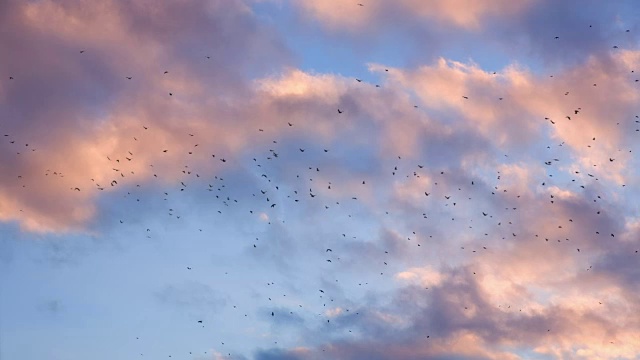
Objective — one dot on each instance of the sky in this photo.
(319, 179)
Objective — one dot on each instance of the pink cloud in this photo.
(459, 13)
(452, 164)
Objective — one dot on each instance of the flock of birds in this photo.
(274, 191)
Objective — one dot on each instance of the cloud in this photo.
(546, 33)
(441, 87)
(351, 16)
(510, 108)
(531, 279)
(425, 276)
(468, 214)
(74, 110)
(460, 321)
